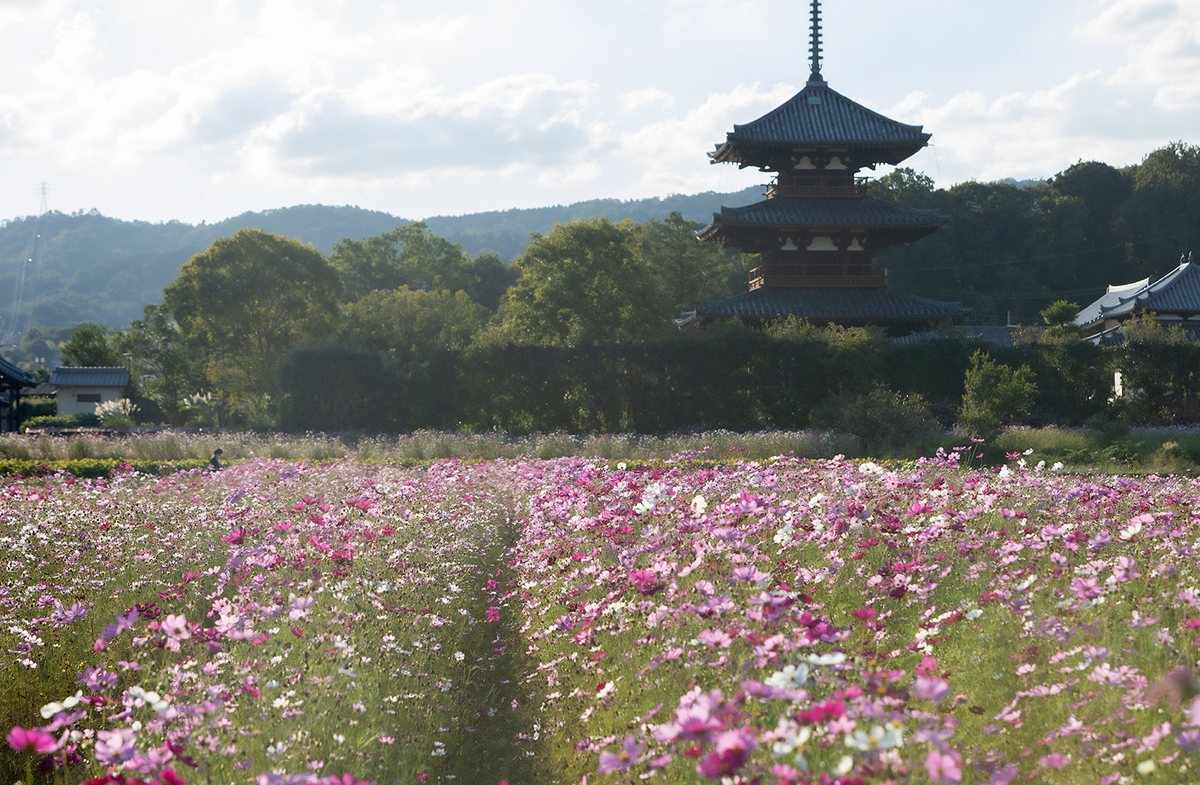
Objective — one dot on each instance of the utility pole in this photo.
(44, 191)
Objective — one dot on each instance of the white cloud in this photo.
(650, 97)
(1126, 19)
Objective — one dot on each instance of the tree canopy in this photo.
(246, 301)
(584, 282)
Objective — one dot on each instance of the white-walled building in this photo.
(80, 389)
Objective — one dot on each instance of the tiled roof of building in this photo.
(844, 304)
(89, 377)
(1177, 292)
(825, 212)
(12, 376)
(820, 116)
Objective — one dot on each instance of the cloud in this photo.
(650, 97)
(1040, 133)
(668, 155)
(1127, 19)
(483, 129)
(236, 111)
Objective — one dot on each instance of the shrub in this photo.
(881, 417)
(994, 395)
(83, 420)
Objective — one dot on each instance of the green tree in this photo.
(905, 187)
(994, 395)
(1060, 316)
(406, 324)
(685, 271)
(490, 278)
(585, 282)
(163, 367)
(409, 255)
(91, 345)
(244, 303)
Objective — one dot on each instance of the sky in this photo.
(196, 110)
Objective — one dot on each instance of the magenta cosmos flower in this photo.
(31, 740)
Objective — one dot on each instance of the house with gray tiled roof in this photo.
(818, 228)
(80, 389)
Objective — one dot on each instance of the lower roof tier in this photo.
(840, 305)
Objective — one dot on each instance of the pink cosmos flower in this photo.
(717, 639)
(115, 746)
(944, 766)
(930, 689)
(493, 613)
(631, 753)
(176, 627)
(732, 750)
(31, 740)
(646, 582)
(1055, 760)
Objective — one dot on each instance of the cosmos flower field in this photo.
(579, 621)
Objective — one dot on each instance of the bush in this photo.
(994, 395)
(82, 420)
(881, 417)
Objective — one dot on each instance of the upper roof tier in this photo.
(820, 118)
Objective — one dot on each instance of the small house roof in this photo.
(1177, 292)
(71, 376)
(819, 116)
(865, 305)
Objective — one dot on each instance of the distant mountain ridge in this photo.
(61, 269)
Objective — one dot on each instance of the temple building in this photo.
(818, 229)
(1174, 299)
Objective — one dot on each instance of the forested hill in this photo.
(89, 267)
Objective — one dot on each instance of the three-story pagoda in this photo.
(817, 229)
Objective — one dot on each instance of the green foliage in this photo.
(882, 418)
(244, 303)
(91, 345)
(585, 282)
(336, 389)
(1060, 313)
(684, 271)
(38, 406)
(81, 420)
(409, 255)
(1157, 364)
(94, 467)
(405, 324)
(994, 395)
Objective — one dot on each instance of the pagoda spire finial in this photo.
(815, 77)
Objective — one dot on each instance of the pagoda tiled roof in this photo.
(825, 212)
(841, 304)
(822, 117)
(1177, 292)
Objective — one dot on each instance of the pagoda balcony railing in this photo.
(858, 190)
(759, 280)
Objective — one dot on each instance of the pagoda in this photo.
(817, 229)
